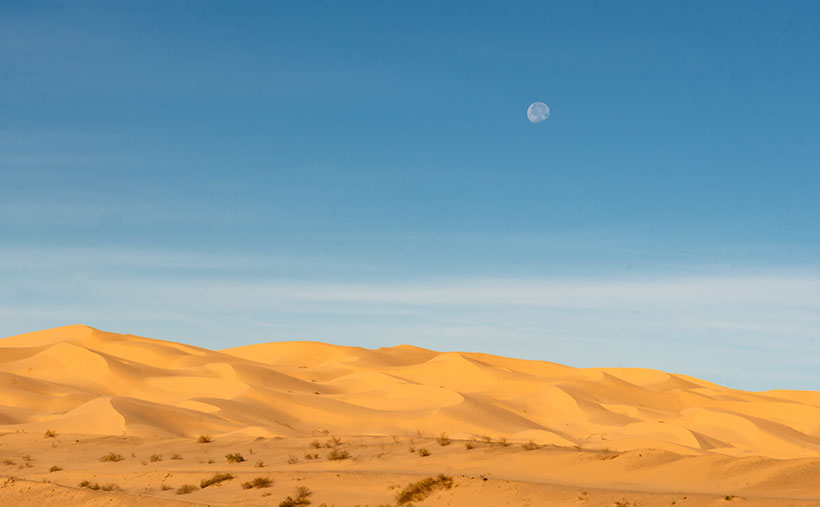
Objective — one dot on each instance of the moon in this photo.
(538, 112)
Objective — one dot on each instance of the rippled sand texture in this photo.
(592, 436)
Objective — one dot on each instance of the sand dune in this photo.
(605, 428)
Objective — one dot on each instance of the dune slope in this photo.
(81, 380)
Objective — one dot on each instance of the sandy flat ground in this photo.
(502, 431)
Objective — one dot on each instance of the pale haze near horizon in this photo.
(366, 175)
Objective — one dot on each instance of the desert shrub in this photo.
(234, 458)
(9, 461)
(316, 444)
(261, 464)
(50, 434)
(155, 457)
(530, 446)
(301, 499)
(336, 454)
(96, 486)
(259, 482)
(502, 442)
(418, 491)
(165, 487)
(411, 448)
(333, 442)
(185, 489)
(204, 439)
(176, 456)
(292, 459)
(112, 456)
(309, 456)
(470, 444)
(443, 439)
(55, 468)
(216, 479)
(423, 452)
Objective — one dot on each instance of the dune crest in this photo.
(77, 379)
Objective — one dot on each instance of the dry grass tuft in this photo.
(302, 498)
(185, 489)
(418, 491)
(216, 479)
(259, 482)
(234, 458)
(336, 455)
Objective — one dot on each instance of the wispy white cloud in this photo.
(768, 323)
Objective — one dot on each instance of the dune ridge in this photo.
(82, 380)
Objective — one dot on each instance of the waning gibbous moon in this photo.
(538, 112)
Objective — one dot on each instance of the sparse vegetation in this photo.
(55, 468)
(530, 446)
(411, 448)
(234, 458)
(309, 456)
(165, 487)
(50, 434)
(155, 457)
(443, 439)
(176, 456)
(216, 479)
(301, 499)
(502, 442)
(111, 456)
(261, 464)
(292, 459)
(204, 439)
(333, 442)
(9, 461)
(336, 454)
(316, 444)
(259, 482)
(423, 452)
(418, 491)
(185, 489)
(469, 444)
(96, 486)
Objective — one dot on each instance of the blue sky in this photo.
(224, 173)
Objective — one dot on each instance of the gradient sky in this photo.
(363, 173)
